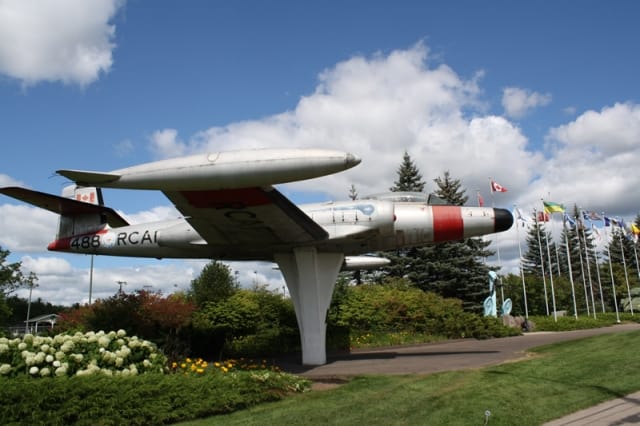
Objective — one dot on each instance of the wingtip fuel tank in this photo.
(222, 170)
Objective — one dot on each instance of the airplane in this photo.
(232, 211)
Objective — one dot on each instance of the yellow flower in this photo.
(224, 369)
(183, 365)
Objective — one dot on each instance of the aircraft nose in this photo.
(503, 220)
(352, 160)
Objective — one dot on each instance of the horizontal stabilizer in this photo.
(88, 178)
(62, 205)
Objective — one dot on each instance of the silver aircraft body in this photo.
(231, 211)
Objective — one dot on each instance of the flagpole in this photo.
(626, 275)
(524, 286)
(501, 189)
(553, 292)
(573, 290)
(613, 283)
(544, 279)
(597, 261)
(584, 280)
(586, 255)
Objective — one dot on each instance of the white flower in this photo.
(45, 372)
(121, 333)
(33, 371)
(104, 341)
(119, 362)
(22, 346)
(67, 346)
(60, 356)
(61, 371)
(5, 369)
(56, 363)
(44, 348)
(4, 347)
(49, 359)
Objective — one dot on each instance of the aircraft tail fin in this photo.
(81, 209)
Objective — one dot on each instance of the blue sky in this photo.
(543, 96)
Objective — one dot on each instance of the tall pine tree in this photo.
(409, 177)
(451, 269)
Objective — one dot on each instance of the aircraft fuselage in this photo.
(353, 227)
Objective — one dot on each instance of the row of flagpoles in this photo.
(549, 208)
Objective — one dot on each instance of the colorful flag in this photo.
(496, 187)
(569, 219)
(594, 216)
(480, 200)
(551, 207)
(635, 229)
(607, 221)
(595, 231)
(543, 217)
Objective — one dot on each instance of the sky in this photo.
(541, 96)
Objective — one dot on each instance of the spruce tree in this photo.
(535, 258)
(451, 269)
(409, 177)
(457, 267)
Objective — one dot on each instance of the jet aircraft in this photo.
(232, 211)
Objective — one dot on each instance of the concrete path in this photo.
(469, 354)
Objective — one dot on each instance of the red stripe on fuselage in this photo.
(227, 198)
(64, 244)
(447, 223)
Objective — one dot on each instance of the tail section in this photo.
(81, 209)
(83, 221)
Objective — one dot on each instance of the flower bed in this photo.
(112, 353)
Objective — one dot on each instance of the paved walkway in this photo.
(469, 354)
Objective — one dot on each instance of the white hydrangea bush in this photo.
(79, 354)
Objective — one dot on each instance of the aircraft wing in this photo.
(63, 205)
(255, 216)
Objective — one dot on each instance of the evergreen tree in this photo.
(403, 260)
(409, 178)
(580, 255)
(534, 259)
(451, 269)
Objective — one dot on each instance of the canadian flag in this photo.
(496, 187)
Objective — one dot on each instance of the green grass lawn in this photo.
(561, 379)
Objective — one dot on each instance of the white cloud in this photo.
(9, 181)
(26, 229)
(593, 160)
(518, 102)
(154, 214)
(376, 108)
(57, 40)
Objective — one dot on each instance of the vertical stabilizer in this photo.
(79, 223)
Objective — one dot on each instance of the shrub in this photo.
(138, 400)
(112, 353)
(398, 307)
